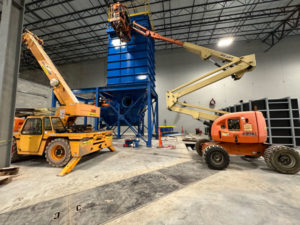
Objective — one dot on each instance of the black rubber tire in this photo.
(198, 146)
(268, 156)
(213, 153)
(64, 144)
(285, 160)
(14, 157)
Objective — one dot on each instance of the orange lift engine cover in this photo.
(251, 128)
(241, 133)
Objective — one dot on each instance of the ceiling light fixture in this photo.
(224, 42)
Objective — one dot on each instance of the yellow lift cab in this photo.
(58, 137)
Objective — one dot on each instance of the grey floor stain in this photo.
(103, 203)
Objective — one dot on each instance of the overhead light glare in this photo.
(224, 42)
(118, 43)
(142, 77)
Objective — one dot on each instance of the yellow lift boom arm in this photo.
(234, 66)
(70, 107)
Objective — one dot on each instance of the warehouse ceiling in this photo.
(74, 30)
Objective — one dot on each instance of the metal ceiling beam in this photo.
(247, 16)
(283, 29)
(74, 46)
(258, 14)
(43, 4)
(207, 37)
(175, 26)
(82, 56)
(94, 11)
(212, 3)
(274, 18)
(54, 49)
(191, 19)
(91, 12)
(66, 18)
(251, 8)
(218, 21)
(97, 38)
(36, 5)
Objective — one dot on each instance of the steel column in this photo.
(292, 121)
(96, 122)
(118, 123)
(85, 118)
(269, 122)
(149, 124)
(156, 115)
(10, 46)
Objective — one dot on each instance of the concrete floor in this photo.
(150, 186)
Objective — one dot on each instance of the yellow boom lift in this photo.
(58, 137)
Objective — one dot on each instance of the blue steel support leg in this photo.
(54, 100)
(85, 118)
(101, 123)
(149, 103)
(139, 129)
(143, 126)
(118, 123)
(96, 121)
(156, 115)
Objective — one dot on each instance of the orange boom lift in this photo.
(242, 133)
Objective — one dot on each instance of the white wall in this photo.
(32, 95)
(277, 75)
(77, 75)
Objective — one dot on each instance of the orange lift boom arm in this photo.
(148, 33)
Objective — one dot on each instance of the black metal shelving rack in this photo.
(282, 118)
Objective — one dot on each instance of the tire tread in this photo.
(210, 148)
(296, 154)
(268, 156)
(68, 152)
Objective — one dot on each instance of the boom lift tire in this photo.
(216, 157)
(285, 160)
(268, 156)
(58, 152)
(198, 146)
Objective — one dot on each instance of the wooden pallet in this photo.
(6, 174)
(5, 179)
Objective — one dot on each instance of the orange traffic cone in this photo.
(159, 139)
